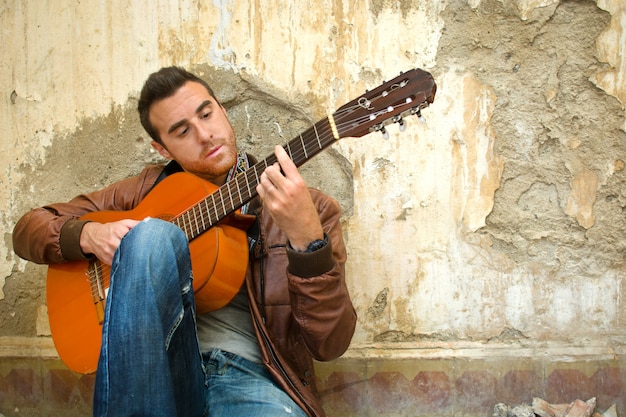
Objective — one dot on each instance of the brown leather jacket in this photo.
(300, 304)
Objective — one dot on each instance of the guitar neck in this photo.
(405, 95)
(240, 190)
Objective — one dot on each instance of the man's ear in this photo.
(161, 150)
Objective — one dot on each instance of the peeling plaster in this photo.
(490, 221)
(580, 201)
(611, 46)
(221, 54)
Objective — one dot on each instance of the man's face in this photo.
(195, 132)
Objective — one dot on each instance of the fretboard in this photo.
(240, 190)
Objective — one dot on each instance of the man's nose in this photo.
(205, 133)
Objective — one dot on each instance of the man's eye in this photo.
(206, 115)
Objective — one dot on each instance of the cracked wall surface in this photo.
(499, 218)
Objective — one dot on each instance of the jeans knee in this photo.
(157, 234)
(155, 250)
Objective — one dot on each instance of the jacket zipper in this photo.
(262, 276)
(263, 318)
(282, 370)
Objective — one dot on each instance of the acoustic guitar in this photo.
(209, 217)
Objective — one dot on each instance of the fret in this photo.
(248, 185)
(215, 207)
(199, 222)
(221, 200)
(319, 144)
(185, 219)
(255, 172)
(181, 223)
(303, 147)
(288, 148)
(195, 219)
(190, 222)
(230, 195)
(239, 192)
(202, 215)
(208, 213)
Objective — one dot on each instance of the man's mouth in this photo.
(213, 151)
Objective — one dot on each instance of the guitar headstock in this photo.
(403, 96)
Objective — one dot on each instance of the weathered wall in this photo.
(497, 223)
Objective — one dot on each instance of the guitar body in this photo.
(74, 320)
(219, 259)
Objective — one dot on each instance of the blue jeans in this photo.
(150, 361)
(238, 387)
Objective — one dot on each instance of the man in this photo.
(255, 355)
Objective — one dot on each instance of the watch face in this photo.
(317, 244)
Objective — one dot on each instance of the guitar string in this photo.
(324, 137)
(246, 183)
(99, 272)
(213, 216)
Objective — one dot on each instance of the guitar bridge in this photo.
(98, 290)
(100, 311)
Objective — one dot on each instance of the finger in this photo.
(131, 223)
(265, 185)
(273, 177)
(260, 190)
(285, 161)
(126, 225)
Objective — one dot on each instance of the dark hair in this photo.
(160, 85)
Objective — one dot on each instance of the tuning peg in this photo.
(418, 112)
(400, 121)
(384, 132)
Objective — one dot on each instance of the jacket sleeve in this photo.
(320, 301)
(51, 234)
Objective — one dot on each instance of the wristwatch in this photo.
(317, 244)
